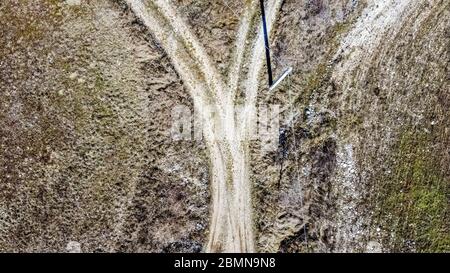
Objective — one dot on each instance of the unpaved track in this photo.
(231, 226)
(180, 28)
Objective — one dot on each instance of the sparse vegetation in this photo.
(87, 160)
(413, 202)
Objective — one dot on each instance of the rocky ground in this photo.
(88, 162)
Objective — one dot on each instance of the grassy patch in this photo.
(413, 206)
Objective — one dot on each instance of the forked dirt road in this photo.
(231, 226)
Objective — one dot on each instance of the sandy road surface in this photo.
(231, 226)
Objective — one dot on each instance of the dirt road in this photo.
(231, 227)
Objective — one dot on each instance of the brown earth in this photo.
(88, 163)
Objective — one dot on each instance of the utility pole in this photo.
(272, 85)
(266, 42)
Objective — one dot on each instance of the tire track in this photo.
(231, 226)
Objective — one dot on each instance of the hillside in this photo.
(148, 126)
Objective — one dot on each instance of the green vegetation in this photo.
(413, 206)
